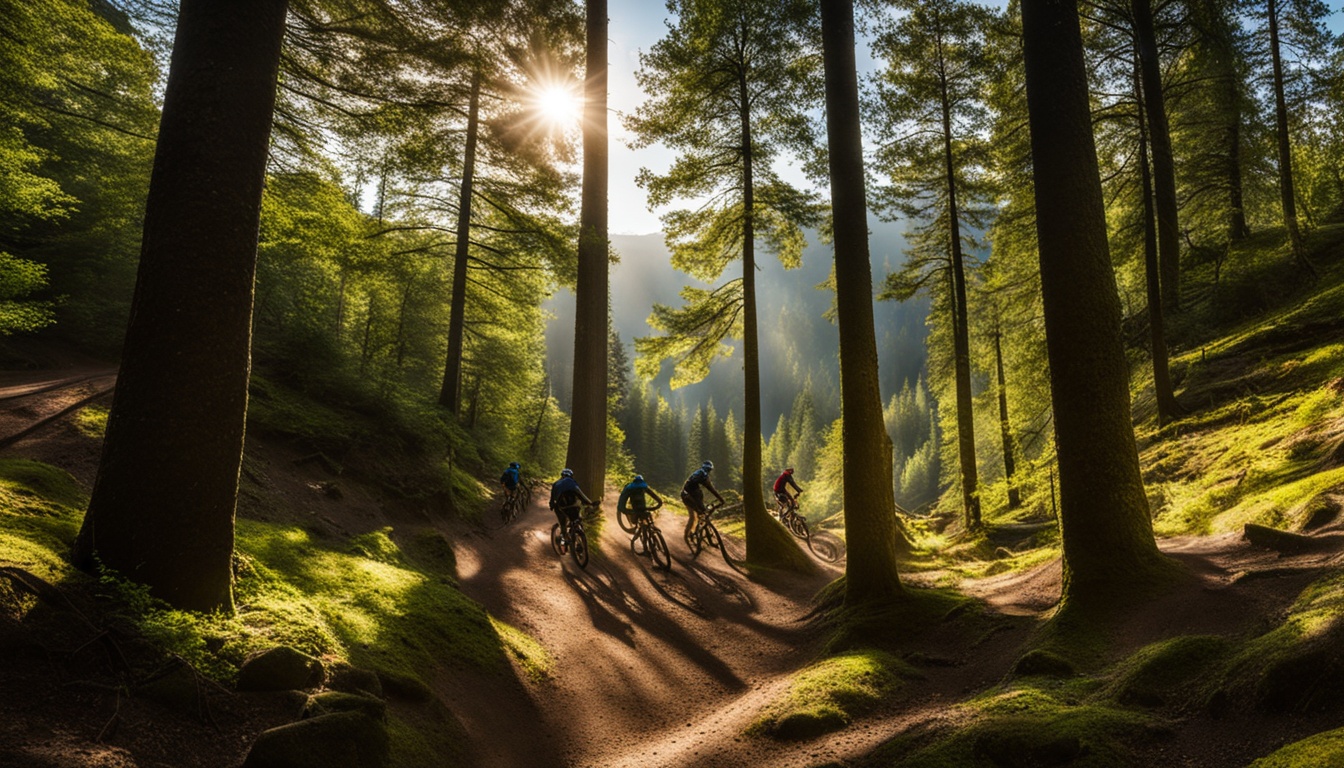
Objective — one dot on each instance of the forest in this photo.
(1036, 306)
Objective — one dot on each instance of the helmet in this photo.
(789, 471)
(566, 472)
(708, 465)
(639, 478)
(514, 465)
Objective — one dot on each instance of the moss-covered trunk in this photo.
(162, 507)
(871, 528)
(1109, 551)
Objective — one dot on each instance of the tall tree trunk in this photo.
(1287, 194)
(1167, 407)
(340, 307)
(1109, 551)
(1005, 427)
(541, 414)
(767, 542)
(368, 333)
(961, 338)
(1164, 167)
(871, 528)
(162, 507)
(450, 392)
(1237, 229)
(401, 326)
(588, 426)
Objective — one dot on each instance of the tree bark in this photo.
(1005, 427)
(768, 543)
(1109, 551)
(961, 339)
(450, 392)
(163, 503)
(1167, 407)
(871, 528)
(587, 454)
(1164, 167)
(1287, 193)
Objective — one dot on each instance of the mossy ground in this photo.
(383, 600)
(829, 694)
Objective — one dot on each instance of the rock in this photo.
(1309, 677)
(798, 726)
(345, 739)
(1044, 663)
(404, 686)
(348, 679)
(280, 669)
(329, 702)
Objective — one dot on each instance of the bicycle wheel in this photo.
(626, 522)
(578, 545)
(696, 540)
(657, 547)
(799, 526)
(557, 543)
(715, 539)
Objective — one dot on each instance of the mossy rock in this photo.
(1323, 749)
(348, 679)
(280, 669)
(1306, 678)
(330, 702)
(826, 696)
(1158, 673)
(347, 739)
(405, 686)
(1043, 663)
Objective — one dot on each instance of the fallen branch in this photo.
(1275, 539)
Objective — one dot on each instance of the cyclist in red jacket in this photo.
(782, 484)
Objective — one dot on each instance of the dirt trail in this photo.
(650, 668)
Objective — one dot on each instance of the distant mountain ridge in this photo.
(797, 342)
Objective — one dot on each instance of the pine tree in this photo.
(728, 86)
(181, 401)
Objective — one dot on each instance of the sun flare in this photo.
(557, 105)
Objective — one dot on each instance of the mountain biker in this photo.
(693, 495)
(781, 486)
(634, 499)
(567, 498)
(511, 477)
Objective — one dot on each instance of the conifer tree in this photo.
(728, 85)
(1109, 551)
(932, 118)
(181, 401)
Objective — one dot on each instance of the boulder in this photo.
(1045, 663)
(280, 669)
(348, 679)
(329, 702)
(346, 739)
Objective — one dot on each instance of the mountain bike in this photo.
(515, 501)
(572, 540)
(648, 535)
(705, 534)
(787, 512)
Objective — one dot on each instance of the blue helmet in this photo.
(639, 478)
(566, 472)
(707, 466)
(514, 465)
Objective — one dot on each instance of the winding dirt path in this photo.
(649, 667)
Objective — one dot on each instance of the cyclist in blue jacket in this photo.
(567, 498)
(634, 500)
(693, 495)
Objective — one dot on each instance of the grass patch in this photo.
(1166, 672)
(829, 694)
(1026, 725)
(40, 511)
(1320, 750)
(91, 420)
